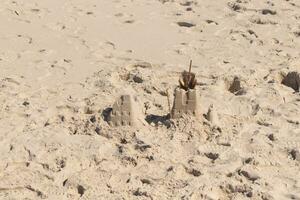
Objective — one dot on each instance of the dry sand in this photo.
(64, 63)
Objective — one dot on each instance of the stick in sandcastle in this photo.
(169, 103)
(187, 80)
(190, 69)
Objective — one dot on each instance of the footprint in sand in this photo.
(268, 12)
(185, 24)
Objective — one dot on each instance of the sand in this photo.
(64, 63)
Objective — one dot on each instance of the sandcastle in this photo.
(185, 103)
(123, 112)
(186, 100)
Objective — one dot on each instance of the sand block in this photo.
(123, 112)
(212, 115)
(185, 102)
(292, 80)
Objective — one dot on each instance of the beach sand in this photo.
(64, 63)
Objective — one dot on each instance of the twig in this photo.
(168, 96)
(190, 70)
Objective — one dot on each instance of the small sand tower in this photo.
(185, 102)
(292, 80)
(123, 112)
(186, 99)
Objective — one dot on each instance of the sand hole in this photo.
(294, 154)
(297, 33)
(235, 6)
(64, 182)
(146, 181)
(268, 12)
(80, 190)
(194, 172)
(212, 156)
(292, 80)
(185, 24)
(235, 86)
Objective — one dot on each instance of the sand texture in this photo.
(63, 65)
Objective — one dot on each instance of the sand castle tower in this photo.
(212, 115)
(186, 99)
(292, 80)
(124, 112)
(185, 102)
